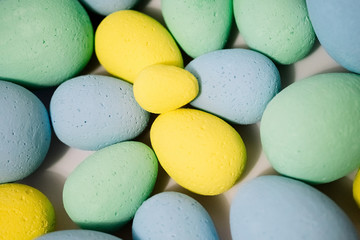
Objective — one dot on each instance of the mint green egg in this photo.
(105, 190)
(310, 130)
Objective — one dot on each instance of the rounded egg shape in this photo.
(105, 190)
(25, 132)
(77, 234)
(235, 84)
(200, 151)
(106, 7)
(174, 215)
(91, 112)
(336, 24)
(45, 42)
(275, 207)
(310, 130)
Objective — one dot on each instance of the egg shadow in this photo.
(287, 74)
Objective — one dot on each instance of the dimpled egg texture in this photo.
(105, 190)
(25, 132)
(275, 207)
(201, 152)
(43, 42)
(173, 215)
(280, 29)
(236, 84)
(336, 24)
(78, 234)
(25, 212)
(92, 111)
(310, 130)
(128, 41)
(161, 88)
(210, 23)
(105, 7)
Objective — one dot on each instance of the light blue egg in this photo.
(172, 215)
(275, 207)
(91, 112)
(235, 84)
(25, 132)
(336, 24)
(77, 234)
(106, 7)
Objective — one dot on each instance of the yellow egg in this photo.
(356, 189)
(128, 41)
(161, 88)
(200, 151)
(25, 213)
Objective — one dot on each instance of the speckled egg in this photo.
(235, 84)
(77, 234)
(105, 190)
(172, 215)
(106, 7)
(25, 132)
(91, 112)
(275, 207)
(310, 130)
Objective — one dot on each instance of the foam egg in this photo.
(45, 42)
(310, 130)
(25, 212)
(201, 152)
(275, 207)
(210, 23)
(172, 215)
(356, 188)
(161, 88)
(92, 111)
(236, 84)
(128, 41)
(25, 132)
(78, 234)
(280, 29)
(108, 6)
(336, 25)
(105, 190)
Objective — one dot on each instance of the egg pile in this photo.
(163, 119)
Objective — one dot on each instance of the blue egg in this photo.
(105, 7)
(172, 215)
(275, 207)
(25, 132)
(77, 234)
(91, 112)
(336, 25)
(235, 84)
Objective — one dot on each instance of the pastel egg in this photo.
(356, 188)
(336, 25)
(236, 84)
(78, 234)
(45, 42)
(161, 88)
(172, 215)
(25, 132)
(210, 23)
(92, 111)
(105, 190)
(275, 207)
(280, 29)
(128, 41)
(25, 212)
(201, 152)
(310, 130)
(108, 6)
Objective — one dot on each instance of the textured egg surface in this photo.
(210, 23)
(25, 212)
(45, 42)
(105, 190)
(201, 152)
(280, 29)
(128, 41)
(172, 215)
(336, 24)
(25, 132)
(235, 84)
(275, 207)
(106, 7)
(310, 130)
(91, 112)
(78, 234)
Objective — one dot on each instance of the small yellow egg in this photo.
(356, 188)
